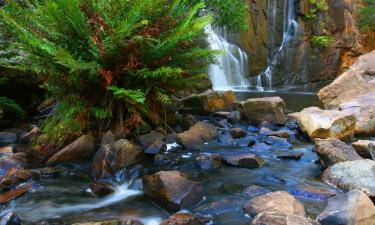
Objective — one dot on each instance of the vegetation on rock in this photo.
(367, 17)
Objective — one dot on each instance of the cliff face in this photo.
(304, 64)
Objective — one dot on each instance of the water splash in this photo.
(232, 65)
(291, 29)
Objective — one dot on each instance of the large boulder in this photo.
(352, 208)
(275, 201)
(363, 108)
(356, 81)
(365, 148)
(319, 123)
(81, 149)
(182, 219)
(331, 151)
(172, 190)
(15, 176)
(281, 218)
(209, 101)
(248, 160)
(350, 175)
(197, 135)
(258, 110)
(112, 157)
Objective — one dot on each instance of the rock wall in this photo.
(308, 67)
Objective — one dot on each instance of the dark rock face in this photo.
(365, 148)
(281, 218)
(113, 157)
(237, 133)
(182, 219)
(101, 189)
(353, 207)
(172, 190)
(81, 149)
(275, 201)
(14, 176)
(208, 162)
(250, 161)
(197, 135)
(331, 151)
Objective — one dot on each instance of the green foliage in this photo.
(317, 6)
(111, 59)
(321, 40)
(9, 109)
(367, 15)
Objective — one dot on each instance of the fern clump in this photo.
(107, 61)
(367, 15)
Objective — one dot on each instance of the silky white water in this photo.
(232, 65)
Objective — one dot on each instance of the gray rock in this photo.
(281, 218)
(365, 148)
(197, 135)
(250, 161)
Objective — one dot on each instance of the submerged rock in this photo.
(312, 192)
(197, 135)
(275, 201)
(125, 221)
(208, 161)
(281, 218)
(172, 190)
(14, 177)
(237, 133)
(101, 189)
(319, 123)
(267, 132)
(254, 191)
(332, 150)
(13, 194)
(182, 219)
(257, 110)
(352, 208)
(250, 161)
(365, 148)
(350, 175)
(81, 149)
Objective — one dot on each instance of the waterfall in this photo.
(291, 29)
(232, 67)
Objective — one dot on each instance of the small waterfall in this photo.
(232, 65)
(291, 29)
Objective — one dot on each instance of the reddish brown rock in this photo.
(249, 160)
(281, 218)
(237, 133)
(182, 219)
(15, 176)
(197, 135)
(13, 194)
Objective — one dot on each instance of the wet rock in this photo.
(125, 221)
(167, 159)
(81, 149)
(111, 158)
(156, 147)
(254, 191)
(281, 218)
(356, 81)
(197, 135)
(107, 138)
(172, 190)
(332, 150)
(7, 138)
(13, 194)
(147, 139)
(10, 219)
(363, 108)
(217, 208)
(222, 123)
(101, 189)
(365, 148)
(311, 192)
(208, 161)
(182, 219)
(267, 132)
(290, 155)
(274, 179)
(30, 136)
(209, 101)
(279, 143)
(187, 121)
(237, 133)
(15, 176)
(250, 161)
(275, 201)
(234, 117)
(50, 172)
(319, 123)
(259, 147)
(350, 175)
(257, 110)
(6, 163)
(351, 208)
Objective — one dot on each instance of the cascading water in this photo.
(232, 65)
(291, 30)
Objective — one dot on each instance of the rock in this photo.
(182, 219)
(7, 138)
(217, 208)
(311, 192)
(50, 172)
(6, 150)
(31, 136)
(351, 208)
(356, 81)
(257, 110)
(210, 101)
(167, 159)
(6, 163)
(365, 148)
(101, 189)
(319, 123)
(111, 158)
(278, 143)
(275, 201)
(332, 150)
(107, 138)
(363, 108)
(254, 191)
(81, 149)
(234, 117)
(187, 121)
(281, 218)
(350, 175)
(267, 132)
(10, 219)
(125, 221)
(197, 135)
(148, 139)
(208, 161)
(172, 190)
(15, 176)
(250, 161)
(237, 133)
(156, 147)
(13, 194)
(290, 155)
